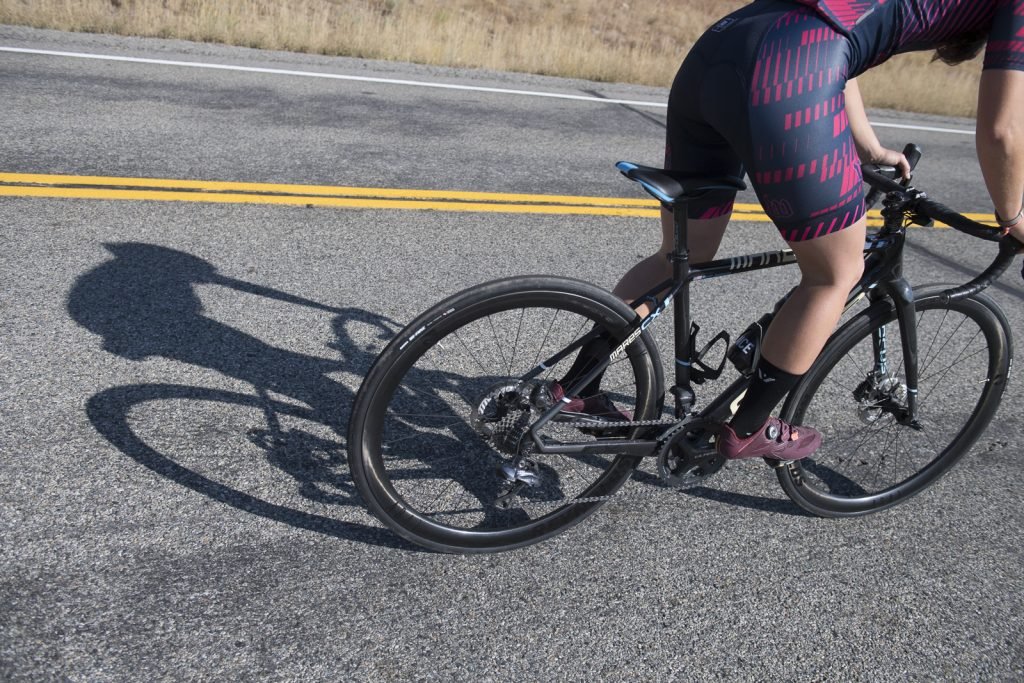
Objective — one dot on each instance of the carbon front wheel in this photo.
(870, 459)
(438, 443)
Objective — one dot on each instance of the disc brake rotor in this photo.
(494, 408)
(879, 398)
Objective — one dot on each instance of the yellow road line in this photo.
(339, 202)
(226, 192)
(314, 190)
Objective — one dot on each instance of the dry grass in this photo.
(603, 40)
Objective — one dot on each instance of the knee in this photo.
(840, 274)
(851, 272)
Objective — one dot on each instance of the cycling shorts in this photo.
(762, 92)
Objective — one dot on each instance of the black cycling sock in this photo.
(768, 386)
(589, 356)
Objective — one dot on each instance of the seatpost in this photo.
(680, 257)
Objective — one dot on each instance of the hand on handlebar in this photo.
(1018, 232)
(890, 157)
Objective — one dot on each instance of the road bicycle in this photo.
(458, 443)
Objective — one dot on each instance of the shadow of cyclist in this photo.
(143, 304)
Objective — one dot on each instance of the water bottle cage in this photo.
(700, 372)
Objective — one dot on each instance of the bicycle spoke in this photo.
(544, 342)
(392, 442)
(515, 344)
(497, 341)
(946, 343)
(927, 353)
(949, 368)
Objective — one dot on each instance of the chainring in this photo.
(688, 455)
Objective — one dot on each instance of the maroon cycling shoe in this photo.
(598, 408)
(598, 405)
(776, 439)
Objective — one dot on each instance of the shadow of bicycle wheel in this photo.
(109, 411)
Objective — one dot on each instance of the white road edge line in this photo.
(339, 77)
(392, 81)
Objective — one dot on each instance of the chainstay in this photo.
(657, 490)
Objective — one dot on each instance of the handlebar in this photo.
(882, 181)
(1007, 251)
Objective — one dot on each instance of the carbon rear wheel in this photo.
(438, 444)
(870, 459)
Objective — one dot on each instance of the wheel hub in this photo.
(503, 417)
(877, 396)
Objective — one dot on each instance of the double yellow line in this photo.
(171, 190)
(221, 192)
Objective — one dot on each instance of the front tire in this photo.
(868, 461)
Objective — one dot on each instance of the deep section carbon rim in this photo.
(444, 426)
(868, 459)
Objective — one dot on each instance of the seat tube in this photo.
(680, 257)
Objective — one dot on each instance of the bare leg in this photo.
(704, 238)
(830, 266)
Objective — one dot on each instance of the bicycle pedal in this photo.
(777, 464)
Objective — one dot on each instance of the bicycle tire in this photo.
(438, 364)
(861, 441)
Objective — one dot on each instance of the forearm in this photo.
(869, 149)
(868, 146)
(1000, 139)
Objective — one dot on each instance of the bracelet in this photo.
(1012, 222)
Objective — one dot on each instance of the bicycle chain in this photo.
(610, 424)
(647, 493)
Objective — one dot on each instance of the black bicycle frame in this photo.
(883, 278)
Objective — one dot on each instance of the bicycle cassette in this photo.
(688, 455)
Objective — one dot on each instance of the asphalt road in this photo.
(153, 527)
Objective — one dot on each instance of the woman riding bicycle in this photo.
(771, 90)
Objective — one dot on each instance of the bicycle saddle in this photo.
(669, 187)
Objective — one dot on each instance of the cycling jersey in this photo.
(844, 15)
(762, 92)
(882, 28)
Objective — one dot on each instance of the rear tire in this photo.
(425, 448)
(868, 461)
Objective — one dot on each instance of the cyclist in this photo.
(771, 90)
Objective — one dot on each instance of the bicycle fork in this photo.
(901, 294)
